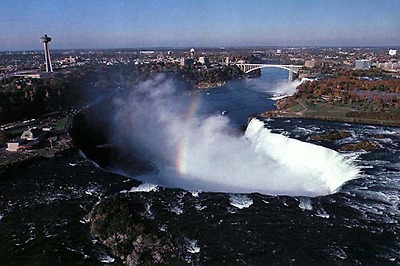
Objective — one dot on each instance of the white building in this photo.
(388, 65)
(204, 60)
(363, 64)
(31, 134)
(392, 52)
(13, 145)
(147, 52)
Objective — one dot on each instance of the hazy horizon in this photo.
(162, 24)
(156, 48)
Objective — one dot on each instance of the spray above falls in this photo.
(157, 122)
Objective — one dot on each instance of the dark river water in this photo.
(244, 97)
(44, 205)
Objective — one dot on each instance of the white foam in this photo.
(305, 203)
(353, 155)
(145, 187)
(199, 207)
(106, 259)
(322, 213)
(278, 97)
(240, 201)
(85, 220)
(195, 193)
(192, 246)
(178, 210)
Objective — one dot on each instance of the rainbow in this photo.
(183, 143)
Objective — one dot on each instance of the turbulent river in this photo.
(266, 196)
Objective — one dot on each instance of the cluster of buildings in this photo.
(33, 138)
(385, 59)
(27, 64)
(191, 60)
(392, 63)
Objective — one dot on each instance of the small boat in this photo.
(224, 112)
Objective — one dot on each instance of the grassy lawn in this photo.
(43, 151)
(10, 134)
(60, 124)
(296, 108)
(326, 110)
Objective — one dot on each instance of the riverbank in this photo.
(303, 110)
(209, 85)
(343, 99)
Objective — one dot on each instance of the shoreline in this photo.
(351, 120)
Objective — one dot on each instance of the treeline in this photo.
(25, 98)
(373, 99)
(378, 94)
(350, 83)
(196, 75)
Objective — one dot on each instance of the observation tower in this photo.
(45, 40)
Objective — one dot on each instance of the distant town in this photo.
(316, 60)
(40, 94)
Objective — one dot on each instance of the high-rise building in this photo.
(186, 61)
(45, 40)
(392, 52)
(363, 64)
(227, 60)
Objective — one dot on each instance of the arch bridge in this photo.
(247, 68)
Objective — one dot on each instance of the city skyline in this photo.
(125, 24)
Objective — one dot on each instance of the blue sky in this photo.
(181, 23)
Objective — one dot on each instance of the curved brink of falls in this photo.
(262, 162)
(327, 166)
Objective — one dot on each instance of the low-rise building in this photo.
(32, 134)
(14, 145)
(363, 64)
(388, 65)
(311, 63)
(30, 139)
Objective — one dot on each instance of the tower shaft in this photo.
(47, 60)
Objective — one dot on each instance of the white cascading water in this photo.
(259, 161)
(328, 165)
